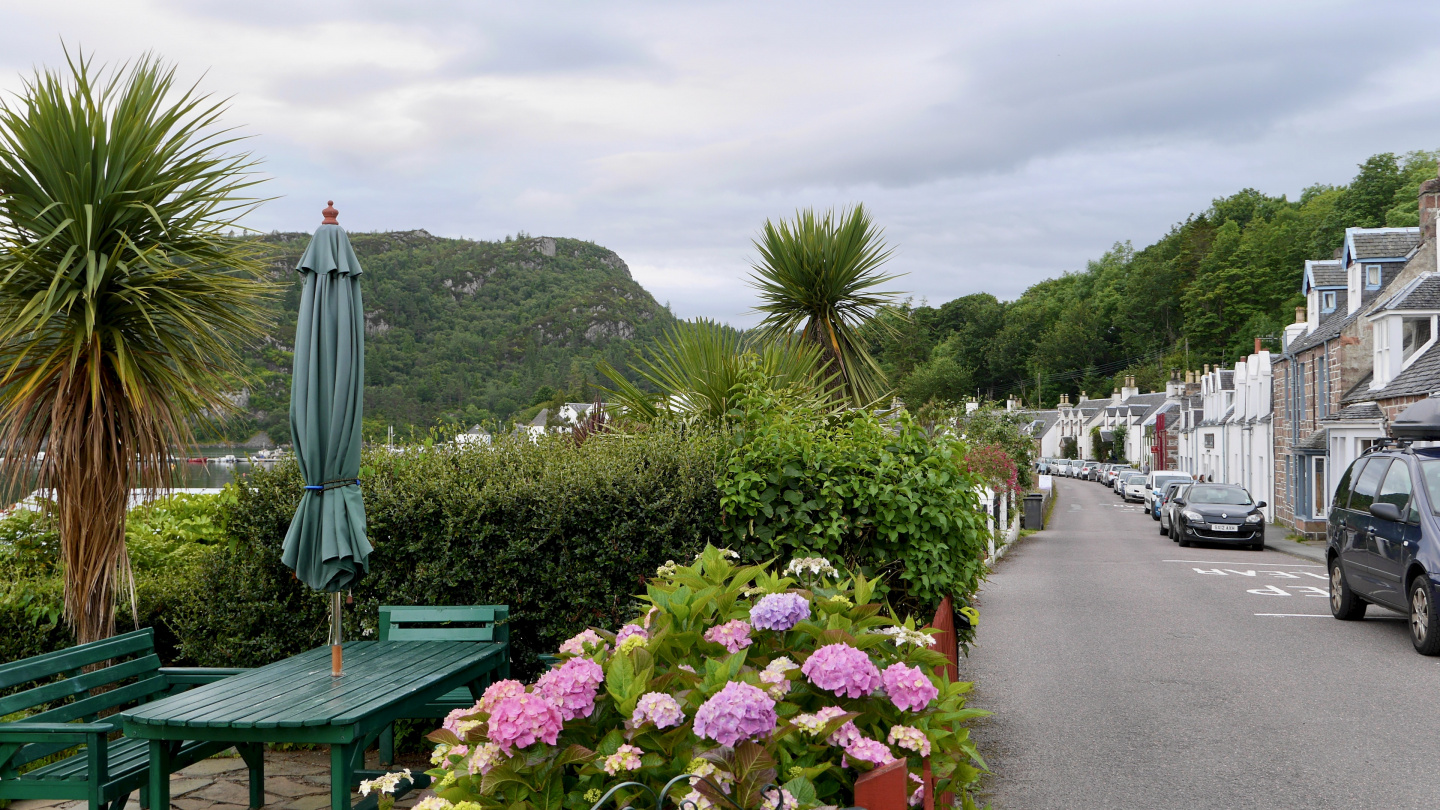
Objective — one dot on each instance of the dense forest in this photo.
(1200, 294)
(460, 331)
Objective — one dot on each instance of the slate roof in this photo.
(1329, 329)
(1325, 273)
(1227, 379)
(1360, 411)
(1315, 441)
(1042, 421)
(1422, 293)
(1421, 378)
(1381, 243)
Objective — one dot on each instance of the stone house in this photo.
(1351, 355)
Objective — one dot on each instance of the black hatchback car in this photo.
(1384, 539)
(1219, 513)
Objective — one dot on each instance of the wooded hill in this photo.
(462, 331)
(1200, 294)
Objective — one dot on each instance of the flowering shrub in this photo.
(741, 676)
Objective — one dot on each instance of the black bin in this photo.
(1035, 511)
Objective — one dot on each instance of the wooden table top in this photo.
(300, 691)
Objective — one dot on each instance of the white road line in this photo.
(1317, 615)
(1251, 564)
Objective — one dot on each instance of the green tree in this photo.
(123, 301)
(817, 277)
(1372, 193)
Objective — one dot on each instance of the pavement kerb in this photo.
(1294, 549)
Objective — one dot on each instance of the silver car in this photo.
(1133, 487)
(1167, 506)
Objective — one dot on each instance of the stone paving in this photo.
(294, 780)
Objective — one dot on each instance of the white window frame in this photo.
(1379, 275)
(1421, 349)
(1318, 482)
(1327, 301)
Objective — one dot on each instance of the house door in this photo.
(1320, 495)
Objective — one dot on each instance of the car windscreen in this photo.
(1221, 495)
(1134, 478)
(1161, 481)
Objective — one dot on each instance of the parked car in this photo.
(1118, 478)
(1220, 513)
(1132, 485)
(1156, 487)
(1383, 540)
(1173, 490)
(1088, 469)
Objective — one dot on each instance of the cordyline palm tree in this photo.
(696, 366)
(817, 276)
(122, 301)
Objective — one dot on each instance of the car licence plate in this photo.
(1224, 527)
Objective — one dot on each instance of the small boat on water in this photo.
(197, 460)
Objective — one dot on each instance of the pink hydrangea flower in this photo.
(909, 738)
(520, 720)
(737, 712)
(687, 668)
(497, 691)
(919, 794)
(846, 736)
(868, 750)
(575, 645)
(779, 611)
(628, 631)
(842, 669)
(625, 758)
(483, 759)
(781, 799)
(658, 708)
(733, 635)
(572, 687)
(453, 720)
(908, 687)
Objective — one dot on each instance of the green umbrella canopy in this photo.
(326, 544)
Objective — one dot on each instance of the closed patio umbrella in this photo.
(326, 544)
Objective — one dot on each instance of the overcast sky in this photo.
(998, 143)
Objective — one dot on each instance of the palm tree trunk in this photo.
(89, 460)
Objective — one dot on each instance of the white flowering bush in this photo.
(740, 676)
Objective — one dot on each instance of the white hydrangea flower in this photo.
(814, 565)
(385, 784)
(904, 635)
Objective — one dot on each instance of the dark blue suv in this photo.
(1384, 539)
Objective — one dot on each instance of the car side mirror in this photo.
(1385, 511)
(1260, 505)
(1178, 501)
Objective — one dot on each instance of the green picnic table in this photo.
(297, 700)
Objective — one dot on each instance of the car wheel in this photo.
(1258, 547)
(1344, 604)
(1163, 531)
(1424, 627)
(1184, 541)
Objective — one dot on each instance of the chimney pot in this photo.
(1299, 314)
(1257, 345)
(1207, 368)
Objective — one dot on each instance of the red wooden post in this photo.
(882, 788)
(947, 645)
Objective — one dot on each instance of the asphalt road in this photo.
(1126, 672)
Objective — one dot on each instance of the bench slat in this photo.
(105, 700)
(79, 684)
(441, 634)
(66, 661)
(441, 613)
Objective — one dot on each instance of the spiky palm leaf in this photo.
(697, 364)
(817, 277)
(122, 301)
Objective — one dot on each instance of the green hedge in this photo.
(564, 535)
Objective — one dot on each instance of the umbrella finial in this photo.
(330, 214)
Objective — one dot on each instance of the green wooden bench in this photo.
(74, 693)
(437, 623)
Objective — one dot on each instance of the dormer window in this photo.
(1417, 334)
(1372, 276)
(1327, 302)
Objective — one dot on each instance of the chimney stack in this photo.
(1429, 207)
(1299, 314)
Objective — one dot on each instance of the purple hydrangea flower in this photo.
(842, 669)
(732, 635)
(630, 630)
(519, 721)
(779, 611)
(572, 687)
(737, 712)
(658, 708)
(868, 750)
(575, 645)
(908, 687)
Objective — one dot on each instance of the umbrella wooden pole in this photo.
(335, 634)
